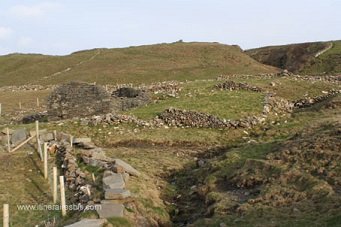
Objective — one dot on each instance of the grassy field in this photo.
(143, 64)
(173, 187)
(203, 97)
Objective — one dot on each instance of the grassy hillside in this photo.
(327, 62)
(301, 57)
(176, 61)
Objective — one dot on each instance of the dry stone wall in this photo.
(234, 86)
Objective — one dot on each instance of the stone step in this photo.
(109, 210)
(114, 181)
(117, 194)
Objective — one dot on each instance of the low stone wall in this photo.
(182, 118)
(232, 86)
(307, 102)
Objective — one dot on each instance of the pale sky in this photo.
(64, 26)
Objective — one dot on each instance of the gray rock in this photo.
(108, 173)
(47, 137)
(82, 140)
(18, 136)
(89, 223)
(109, 210)
(126, 177)
(128, 168)
(86, 145)
(116, 194)
(114, 181)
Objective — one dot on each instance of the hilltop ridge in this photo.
(159, 62)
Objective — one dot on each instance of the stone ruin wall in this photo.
(78, 99)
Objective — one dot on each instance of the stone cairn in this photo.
(234, 86)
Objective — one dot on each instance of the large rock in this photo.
(109, 210)
(89, 223)
(117, 194)
(18, 136)
(114, 181)
(46, 137)
(128, 168)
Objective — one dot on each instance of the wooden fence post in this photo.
(93, 177)
(62, 195)
(8, 140)
(55, 135)
(45, 161)
(38, 141)
(71, 141)
(55, 185)
(6, 216)
(20, 105)
(38, 104)
(0, 108)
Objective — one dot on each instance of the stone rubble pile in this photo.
(234, 86)
(273, 104)
(116, 119)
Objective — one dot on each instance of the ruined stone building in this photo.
(78, 99)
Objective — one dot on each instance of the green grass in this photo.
(143, 64)
(118, 222)
(201, 96)
(300, 58)
(329, 62)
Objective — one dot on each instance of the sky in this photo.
(64, 26)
